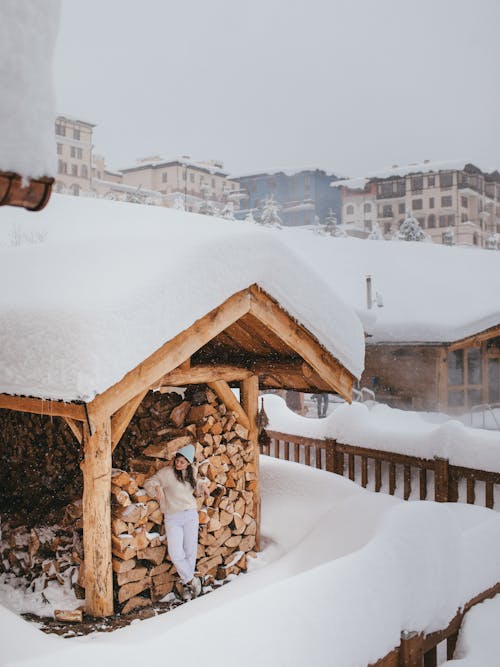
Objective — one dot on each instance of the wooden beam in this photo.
(175, 352)
(96, 468)
(121, 419)
(203, 374)
(475, 339)
(39, 406)
(338, 378)
(76, 428)
(224, 392)
(249, 392)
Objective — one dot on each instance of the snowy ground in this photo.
(342, 572)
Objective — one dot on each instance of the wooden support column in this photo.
(97, 515)
(249, 397)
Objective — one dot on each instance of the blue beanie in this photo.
(187, 452)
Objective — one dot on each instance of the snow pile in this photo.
(479, 641)
(388, 429)
(431, 293)
(28, 30)
(342, 573)
(114, 281)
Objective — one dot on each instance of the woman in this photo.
(176, 488)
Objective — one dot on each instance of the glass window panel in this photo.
(456, 399)
(456, 367)
(474, 366)
(494, 380)
(474, 397)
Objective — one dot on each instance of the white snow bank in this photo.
(28, 31)
(342, 573)
(112, 282)
(388, 429)
(479, 640)
(431, 293)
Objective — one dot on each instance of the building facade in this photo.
(305, 196)
(180, 182)
(453, 202)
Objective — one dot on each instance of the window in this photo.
(431, 221)
(75, 190)
(76, 134)
(446, 220)
(85, 171)
(431, 202)
(164, 177)
(417, 183)
(401, 208)
(59, 149)
(74, 170)
(213, 183)
(387, 227)
(62, 167)
(368, 225)
(465, 377)
(391, 188)
(349, 210)
(446, 179)
(464, 201)
(191, 178)
(431, 181)
(60, 130)
(387, 211)
(79, 153)
(456, 368)
(446, 201)
(73, 151)
(367, 208)
(421, 222)
(417, 204)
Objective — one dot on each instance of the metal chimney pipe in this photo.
(369, 298)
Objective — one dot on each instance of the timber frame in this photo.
(249, 341)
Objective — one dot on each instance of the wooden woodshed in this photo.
(251, 341)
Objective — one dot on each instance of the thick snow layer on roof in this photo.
(28, 30)
(342, 573)
(112, 282)
(288, 171)
(358, 183)
(431, 292)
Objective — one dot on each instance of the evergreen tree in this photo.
(249, 217)
(270, 214)
(179, 202)
(410, 230)
(492, 242)
(331, 223)
(449, 237)
(228, 211)
(376, 233)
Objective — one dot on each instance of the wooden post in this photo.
(410, 649)
(249, 394)
(97, 515)
(330, 455)
(440, 480)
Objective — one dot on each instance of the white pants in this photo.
(182, 541)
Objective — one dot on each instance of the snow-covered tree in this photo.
(331, 222)
(449, 237)
(228, 211)
(270, 214)
(249, 217)
(492, 242)
(410, 230)
(179, 202)
(206, 207)
(376, 233)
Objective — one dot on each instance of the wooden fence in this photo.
(419, 477)
(390, 472)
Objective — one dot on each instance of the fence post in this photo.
(410, 649)
(330, 455)
(441, 484)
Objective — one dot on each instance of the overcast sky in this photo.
(347, 85)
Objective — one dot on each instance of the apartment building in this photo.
(74, 155)
(305, 195)
(194, 182)
(442, 196)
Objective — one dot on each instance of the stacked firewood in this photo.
(141, 566)
(37, 556)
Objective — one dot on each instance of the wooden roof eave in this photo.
(475, 339)
(32, 195)
(320, 370)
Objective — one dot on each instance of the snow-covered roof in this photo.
(27, 36)
(96, 286)
(288, 171)
(431, 292)
(359, 183)
(210, 166)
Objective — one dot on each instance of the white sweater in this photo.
(174, 496)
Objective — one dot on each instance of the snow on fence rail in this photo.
(408, 476)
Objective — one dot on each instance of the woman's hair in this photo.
(189, 474)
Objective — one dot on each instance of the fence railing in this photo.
(413, 477)
(410, 477)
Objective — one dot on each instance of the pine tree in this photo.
(331, 222)
(376, 233)
(228, 211)
(410, 230)
(249, 217)
(492, 242)
(449, 237)
(270, 214)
